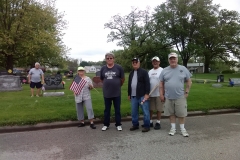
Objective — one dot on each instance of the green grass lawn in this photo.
(18, 108)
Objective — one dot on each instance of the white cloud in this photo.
(86, 35)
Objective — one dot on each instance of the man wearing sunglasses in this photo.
(112, 76)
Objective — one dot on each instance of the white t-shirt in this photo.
(154, 76)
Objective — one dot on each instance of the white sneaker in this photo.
(119, 128)
(172, 132)
(104, 128)
(184, 133)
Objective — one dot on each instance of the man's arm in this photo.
(188, 85)
(161, 89)
(29, 76)
(42, 78)
(122, 81)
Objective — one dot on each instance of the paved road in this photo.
(215, 137)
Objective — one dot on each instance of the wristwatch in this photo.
(186, 92)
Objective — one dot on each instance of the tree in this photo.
(84, 63)
(136, 33)
(30, 32)
(220, 37)
(177, 19)
(72, 64)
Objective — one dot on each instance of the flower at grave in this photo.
(43, 88)
(63, 82)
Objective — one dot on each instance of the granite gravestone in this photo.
(10, 83)
(98, 74)
(53, 82)
(3, 72)
(97, 83)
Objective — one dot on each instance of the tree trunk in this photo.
(206, 64)
(9, 63)
(185, 61)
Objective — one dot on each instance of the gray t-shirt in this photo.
(174, 79)
(154, 76)
(134, 83)
(36, 75)
(111, 78)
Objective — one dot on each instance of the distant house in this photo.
(195, 67)
(92, 69)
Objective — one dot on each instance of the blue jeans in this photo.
(135, 103)
(107, 112)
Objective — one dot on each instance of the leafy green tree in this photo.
(220, 37)
(136, 32)
(30, 32)
(84, 63)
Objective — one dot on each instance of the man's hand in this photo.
(162, 98)
(129, 98)
(146, 96)
(186, 95)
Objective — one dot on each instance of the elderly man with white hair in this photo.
(173, 92)
(34, 79)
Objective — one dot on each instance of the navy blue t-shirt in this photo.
(111, 78)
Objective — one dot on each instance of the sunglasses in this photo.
(134, 62)
(109, 58)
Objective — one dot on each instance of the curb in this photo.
(64, 124)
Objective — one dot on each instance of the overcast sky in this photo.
(86, 35)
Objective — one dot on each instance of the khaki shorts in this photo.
(177, 107)
(156, 104)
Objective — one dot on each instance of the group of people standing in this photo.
(157, 90)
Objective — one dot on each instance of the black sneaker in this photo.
(134, 128)
(151, 125)
(157, 126)
(92, 126)
(81, 125)
(145, 129)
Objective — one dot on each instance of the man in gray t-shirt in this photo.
(172, 81)
(112, 76)
(34, 79)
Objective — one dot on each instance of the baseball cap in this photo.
(81, 69)
(136, 59)
(172, 55)
(156, 58)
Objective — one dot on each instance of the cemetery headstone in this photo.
(217, 85)
(53, 82)
(97, 83)
(10, 83)
(3, 72)
(98, 74)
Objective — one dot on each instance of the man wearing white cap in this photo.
(155, 101)
(172, 90)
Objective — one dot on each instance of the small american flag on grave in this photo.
(77, 84)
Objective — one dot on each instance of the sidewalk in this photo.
(53, 125)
